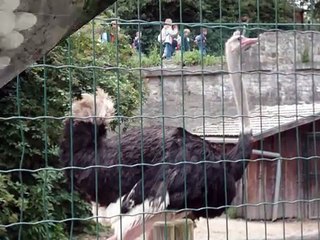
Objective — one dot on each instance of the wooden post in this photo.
(184, 229)
(181, 229)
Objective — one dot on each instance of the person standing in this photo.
(111, 36)
(137, 42)
(175, 39)
(201, 41)
(166, 37)
(185, 44)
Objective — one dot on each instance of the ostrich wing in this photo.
(192, 183)
(186, 184)
(154, 192)
(139, 209)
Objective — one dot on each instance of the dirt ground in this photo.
(254, 230)
(239, 229)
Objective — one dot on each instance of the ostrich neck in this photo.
(239, 91)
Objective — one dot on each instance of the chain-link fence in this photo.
(164, 110)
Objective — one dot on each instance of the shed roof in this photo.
(265, 121)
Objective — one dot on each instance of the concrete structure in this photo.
(286, 71)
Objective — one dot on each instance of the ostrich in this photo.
(233, 59)
(84, 144)
(187, 182)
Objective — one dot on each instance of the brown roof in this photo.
(265, 121)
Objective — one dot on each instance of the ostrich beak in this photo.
(247, 42)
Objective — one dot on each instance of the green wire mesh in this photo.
(83, 62)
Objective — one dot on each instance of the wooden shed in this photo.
(283, 178)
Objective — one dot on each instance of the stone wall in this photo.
(286, 71)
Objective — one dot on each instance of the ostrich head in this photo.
(238, 42)
(86, 108)
(234, 47)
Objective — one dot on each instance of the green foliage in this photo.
(8, 202)
(193, 58)
(154, 56)
(47, 199)
(74, 66)
(232, 212)
(305, 55)
(150, 60)
(190, 58)
(263, 13)
(312, 13)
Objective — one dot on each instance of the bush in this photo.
(45, 199)
(232, 212)
(193, 58)
(151, 60)
(41, 196)
(190, 58)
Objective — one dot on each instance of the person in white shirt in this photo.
(166, 36)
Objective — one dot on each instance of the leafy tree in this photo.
(74, 66)
(312, 8)
(212, 13)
